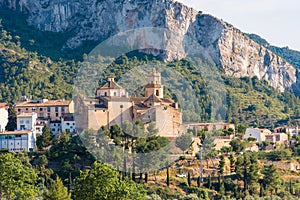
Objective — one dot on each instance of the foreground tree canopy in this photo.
(17, 179)
(102, 182)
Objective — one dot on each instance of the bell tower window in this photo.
(157, 93)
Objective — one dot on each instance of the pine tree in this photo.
(57, 191)
(253, 174)
(271, 181)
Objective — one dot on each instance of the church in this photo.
(112, 105)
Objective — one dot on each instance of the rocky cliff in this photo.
(97, 20)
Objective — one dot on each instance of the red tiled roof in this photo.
(3, 105)
(48, 103)
(153, 98)
(110, 85)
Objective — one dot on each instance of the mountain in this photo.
(292, 56)
(96, 20)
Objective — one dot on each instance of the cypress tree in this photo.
(189, 179)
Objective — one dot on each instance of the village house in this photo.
(46, 109)
(256, 133)
(113, 106)
(3, 116)
(18, 141)
(207, 127)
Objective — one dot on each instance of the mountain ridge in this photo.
(227, 46)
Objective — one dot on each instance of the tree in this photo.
(189, 179)
(232, 163)
(102, 182)
(271, 180)
(237, 145)
(12, 119)
(57, 191)
(184, 141)
(17, 180)
(44, 140)
(253, 174)
(221, 165)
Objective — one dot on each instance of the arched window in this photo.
(157, 93)
(105, 93)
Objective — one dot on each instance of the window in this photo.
(19, 110)
(33, 109)
(41, 109)
(157, 93)
(62, 109)
(105, 93)
(26, 109)
(21, 121)
(54, 124)
(56, 109)
(48, 109)
(68, 124)
(56, 114)
(115, 94)
(53, 129)
(27, 121)
(73, 124)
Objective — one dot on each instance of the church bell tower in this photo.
(154, 85)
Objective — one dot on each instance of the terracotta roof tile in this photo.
(48, 103)
(3, 105)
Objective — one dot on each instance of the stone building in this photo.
(112, 105)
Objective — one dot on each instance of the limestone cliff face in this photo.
(96, 20)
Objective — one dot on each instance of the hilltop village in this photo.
(111, 106)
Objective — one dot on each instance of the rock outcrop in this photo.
(97, 20)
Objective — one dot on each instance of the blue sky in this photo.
(278, 21)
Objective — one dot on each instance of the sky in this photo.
(277, 21)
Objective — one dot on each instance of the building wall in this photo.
(18, 142)
(26, 122)
(3, 118)
(111, 92)
(54, 112)
(55, 127)
(168, 121)
(68, 126)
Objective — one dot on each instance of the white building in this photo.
(68, 124)
(18, 141)
(55, 127)
(3, 116)
(256, 133)
(26, 121)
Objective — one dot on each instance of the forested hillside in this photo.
(33, 67)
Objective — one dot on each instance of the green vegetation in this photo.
(101, 182)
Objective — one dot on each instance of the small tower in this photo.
(154, 85)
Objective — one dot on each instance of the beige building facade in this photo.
(113, 106)
(46, 109)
